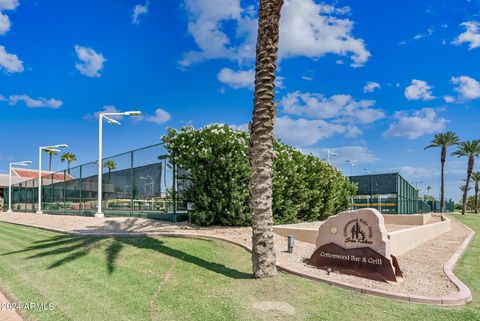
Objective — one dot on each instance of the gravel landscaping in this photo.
(422, 267)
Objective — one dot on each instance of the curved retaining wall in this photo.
(404, 240)
(401, 241)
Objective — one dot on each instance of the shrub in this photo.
(305, 188)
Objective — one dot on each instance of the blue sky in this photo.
(372, 81)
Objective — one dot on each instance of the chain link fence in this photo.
(143, 182)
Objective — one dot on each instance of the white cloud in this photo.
(307, 78)
(467, 87)
(306, 29)
(139, 10)
(304, 132)
(10, 62)
(355, 154)
(342, 108)
(371, 86)
(161, 116)
(35, 103)
(4, 24)
(8, 4)
(419, 123)
(105, 109)
(415, 172)
(471, 35)
(91, 62)
(237, 79)
(449, 99)
(4, 19)
(424, 35)
(314, 30)
(419, 90)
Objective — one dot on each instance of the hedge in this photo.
(305, 188)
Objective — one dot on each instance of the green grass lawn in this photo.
(162, 278)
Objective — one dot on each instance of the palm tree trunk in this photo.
(50, 163)
(68, 167)
(261, 140)
(442, 185)
(471, 163)
(476, 197)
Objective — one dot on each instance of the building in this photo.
(389, 193)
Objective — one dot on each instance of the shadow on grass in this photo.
(76, 247)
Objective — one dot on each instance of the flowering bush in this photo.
(304, 187)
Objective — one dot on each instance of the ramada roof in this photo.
(32, 173)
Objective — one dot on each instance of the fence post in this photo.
(132, 173)
(174, 188)
(80, 204)
(64, 190)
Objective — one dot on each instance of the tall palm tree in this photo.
(69, 157)
(443, 140)
(50, 153)
(261, 139)
(111, 166)
(470, 149)
(476, 180)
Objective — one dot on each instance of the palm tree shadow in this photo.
(76, 247)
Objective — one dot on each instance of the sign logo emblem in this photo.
(358, 231)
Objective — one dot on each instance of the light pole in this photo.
(351, 164)
(54, 148)
(111, 121)
(24, 163)
(328, 155)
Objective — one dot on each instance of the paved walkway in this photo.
(7, 314)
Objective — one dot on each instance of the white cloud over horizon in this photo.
(356, 154)
(91, 62)
(342, 108)
(419, 123)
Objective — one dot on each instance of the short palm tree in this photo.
(50, 153)
(111, 166)
(476, 180)
(69, 157)
(443, 140)
(261, 139)
(470, 149)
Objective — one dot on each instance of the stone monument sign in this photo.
(356, 242)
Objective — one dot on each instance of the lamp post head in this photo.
(60, 146)
(134, 113)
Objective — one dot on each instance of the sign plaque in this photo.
(356, 242)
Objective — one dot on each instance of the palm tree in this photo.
(50, 154)
(261, 139)
(69, 157)
(476, 180)
(443, 140)
(111, 166)
(470, 149)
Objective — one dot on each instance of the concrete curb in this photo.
(460, 298)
